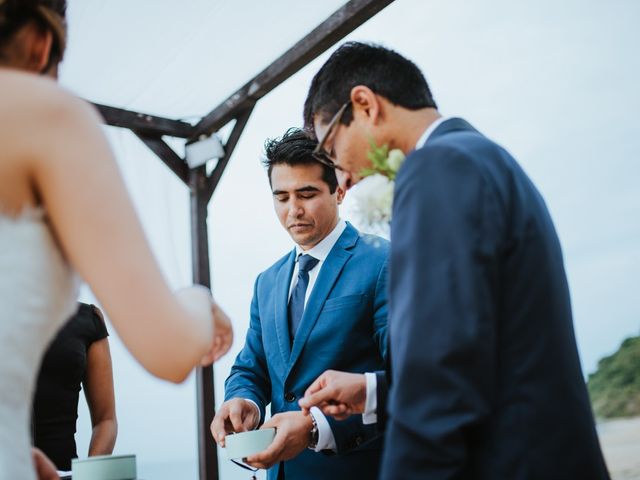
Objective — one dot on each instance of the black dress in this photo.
(63, 369)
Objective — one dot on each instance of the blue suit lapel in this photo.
(283, 283)
(329, 274)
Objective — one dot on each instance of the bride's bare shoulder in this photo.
(33, 99)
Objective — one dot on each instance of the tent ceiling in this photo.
(178, 61)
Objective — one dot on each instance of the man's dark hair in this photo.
(384, 71)
(296, 148)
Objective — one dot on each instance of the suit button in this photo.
(289, 397)
(358, 441)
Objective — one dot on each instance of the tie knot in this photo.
(306, 263)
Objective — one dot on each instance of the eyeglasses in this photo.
(319, 153)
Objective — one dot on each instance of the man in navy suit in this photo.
(486, 379)
(323, 305)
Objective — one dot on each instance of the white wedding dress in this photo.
(37, 294)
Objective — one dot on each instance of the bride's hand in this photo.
(222, 335)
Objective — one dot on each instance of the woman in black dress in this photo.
(78, 358)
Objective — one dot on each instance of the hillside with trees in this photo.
(615, 387)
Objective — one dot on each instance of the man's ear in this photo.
(340, 193)
(366, 102)
(345, 182)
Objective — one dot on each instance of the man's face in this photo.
(303, 203)
(347, 145)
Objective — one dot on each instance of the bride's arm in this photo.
(76, 177)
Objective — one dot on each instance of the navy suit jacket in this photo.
(487, 381)
(343, 327)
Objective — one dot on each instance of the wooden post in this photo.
(205, 394)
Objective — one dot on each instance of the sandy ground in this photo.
(620, 440)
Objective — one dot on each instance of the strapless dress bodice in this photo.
(38, 291)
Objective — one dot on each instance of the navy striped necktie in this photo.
(296, 302)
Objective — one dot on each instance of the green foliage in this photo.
(615, 387)
(379, 163)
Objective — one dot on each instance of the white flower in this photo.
(373, 195)
(395, 159)
(373, 201)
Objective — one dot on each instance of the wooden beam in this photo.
(229, 147)
(344, 21)
(146, 124)
(170, 158)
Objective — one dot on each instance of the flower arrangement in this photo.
(384, 162)
(373, 195)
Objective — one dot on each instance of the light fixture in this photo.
(202, 150)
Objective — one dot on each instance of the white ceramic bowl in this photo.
(104, 467)
(245, 444)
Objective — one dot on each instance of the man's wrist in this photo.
(326, 440)
(258, 413)
(313, 434)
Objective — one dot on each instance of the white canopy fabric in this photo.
(554, 82)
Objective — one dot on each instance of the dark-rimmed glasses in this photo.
(319, 153)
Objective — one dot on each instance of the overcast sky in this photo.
(553, 82)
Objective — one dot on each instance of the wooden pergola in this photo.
(236, 108)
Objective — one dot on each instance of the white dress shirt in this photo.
(430, 129)
(320, 252)
(371, 403)
(326, 440)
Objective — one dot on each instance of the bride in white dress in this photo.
(64, 209)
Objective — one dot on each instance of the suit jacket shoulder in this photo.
(456, 141)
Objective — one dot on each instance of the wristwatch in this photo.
(313, 434)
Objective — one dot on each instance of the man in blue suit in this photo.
(486, 380)
(321, 306)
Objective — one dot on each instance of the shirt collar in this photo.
(322, 249)
(427, 133)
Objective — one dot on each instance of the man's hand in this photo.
(235, 415)
(338, 394)
(293, 432)
(45, 469)
(222, 335)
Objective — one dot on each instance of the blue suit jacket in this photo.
(344, 327)
(486, 377)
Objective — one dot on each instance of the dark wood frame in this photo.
(237, 107)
